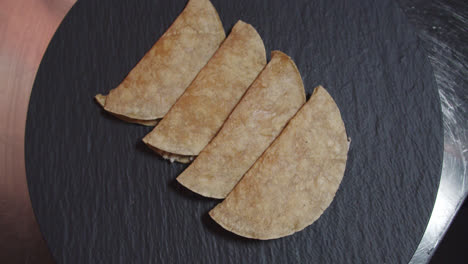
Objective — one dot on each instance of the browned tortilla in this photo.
(163, 74)
(101, 99)
(295, 180)
(273, 98)
(201, 111)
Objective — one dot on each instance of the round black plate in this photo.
(101, 196)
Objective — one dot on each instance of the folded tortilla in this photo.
(273, 99)
(201, 111)
(295, 180)
(168, 68)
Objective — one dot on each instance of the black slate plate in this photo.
(100, 196)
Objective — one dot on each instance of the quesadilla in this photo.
(200, 112)
(295, 179)
(168, 68)
(273, 98)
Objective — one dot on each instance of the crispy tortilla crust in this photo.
(101, 99)
(274, 97)
(168, 68)
(172, 157)
(294, 180)
(201, 111)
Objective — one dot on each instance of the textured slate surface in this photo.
(101, 196)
